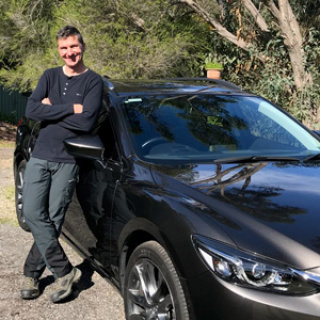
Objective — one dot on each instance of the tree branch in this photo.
(290, 20)
(273, 9)
(217, 26)
(261, 23)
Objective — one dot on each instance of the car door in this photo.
(89, 220)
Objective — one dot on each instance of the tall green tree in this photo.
(24, 32)
(125, 39)
(270, 44)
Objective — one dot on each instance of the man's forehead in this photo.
(73, 39)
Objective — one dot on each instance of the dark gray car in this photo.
(197, 200)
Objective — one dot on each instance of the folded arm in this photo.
(84, 121)
(40, 109)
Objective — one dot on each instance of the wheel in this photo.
(18, 194)
(152, 288)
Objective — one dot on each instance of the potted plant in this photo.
(213, 70)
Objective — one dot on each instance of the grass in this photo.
(11, 222)
(6, 144)
(8, 192)
(7, 206)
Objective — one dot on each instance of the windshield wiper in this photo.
(254, 159)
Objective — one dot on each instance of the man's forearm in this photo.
(41, 110)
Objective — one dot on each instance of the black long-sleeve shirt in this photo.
(58, 120)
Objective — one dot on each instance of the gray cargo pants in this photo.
(47, 192)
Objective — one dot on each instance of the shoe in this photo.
(62, 287)
(30, 288)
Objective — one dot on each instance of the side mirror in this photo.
(86, 147)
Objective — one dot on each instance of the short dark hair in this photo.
(69, 31)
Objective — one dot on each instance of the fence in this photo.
(12, 104)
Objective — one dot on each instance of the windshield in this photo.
(207, 127)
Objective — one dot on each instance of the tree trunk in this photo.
(290, 31)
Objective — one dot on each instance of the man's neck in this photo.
(74, 71)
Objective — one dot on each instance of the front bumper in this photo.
(213, 298)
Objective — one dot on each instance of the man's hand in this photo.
(77, 108)
(46, 101)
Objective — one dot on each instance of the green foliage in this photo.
(272, 78)
(214, 65)
(25, 36)
(162, 38)
(124, 39)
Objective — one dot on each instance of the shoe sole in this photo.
(74, 281)
(26, 295)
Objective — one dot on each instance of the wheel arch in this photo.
(138, 237)
(135, 233)
(140, 231)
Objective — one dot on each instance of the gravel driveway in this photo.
(94, 297)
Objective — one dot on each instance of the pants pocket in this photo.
(69, 191)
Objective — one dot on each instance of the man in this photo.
(67, 101)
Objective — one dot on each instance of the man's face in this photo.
(70, 50)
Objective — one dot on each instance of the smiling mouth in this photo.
(71, 60)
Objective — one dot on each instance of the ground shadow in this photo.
(84, 283)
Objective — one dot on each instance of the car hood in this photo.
(268, 208)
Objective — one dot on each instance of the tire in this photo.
(18, 194)
(152, 288)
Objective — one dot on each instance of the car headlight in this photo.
(250, 270)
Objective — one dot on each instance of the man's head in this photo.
(71, 47)
(68, 31)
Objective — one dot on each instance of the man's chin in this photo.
(72, 63)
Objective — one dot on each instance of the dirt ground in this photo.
(94, 297)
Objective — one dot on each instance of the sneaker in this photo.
(62, 287)
(30, 288)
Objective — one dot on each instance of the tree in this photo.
(125, 39)
(286, 23)
(269, 32)
(270, 47)
(25, 32)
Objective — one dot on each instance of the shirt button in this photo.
(64, 93)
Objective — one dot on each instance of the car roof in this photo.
(167, 86)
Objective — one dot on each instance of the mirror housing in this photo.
(85, 147)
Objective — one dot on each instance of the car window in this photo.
(206, 127)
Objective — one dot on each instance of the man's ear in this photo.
(83, 47)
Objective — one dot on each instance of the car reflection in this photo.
(232, 184)
(104, 205)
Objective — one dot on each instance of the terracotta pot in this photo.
(213, 73)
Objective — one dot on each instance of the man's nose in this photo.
(69, 51)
